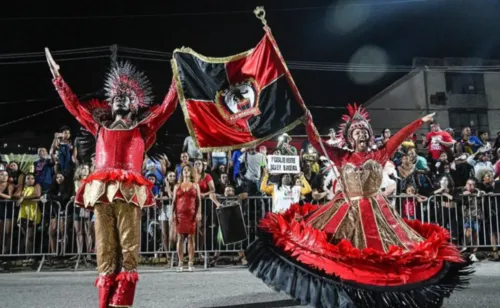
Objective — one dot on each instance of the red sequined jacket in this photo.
(119, 152)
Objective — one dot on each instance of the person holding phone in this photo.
(62, 148)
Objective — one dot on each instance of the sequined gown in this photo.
(185, 208)
(356, 251)
(361, 214)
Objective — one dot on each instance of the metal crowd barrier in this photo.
(68, 231)
(36, 235)
(156, 236)
(156, 239)
(472, 220)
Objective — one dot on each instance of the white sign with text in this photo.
(283, 164)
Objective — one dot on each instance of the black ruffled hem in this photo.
(313, 287)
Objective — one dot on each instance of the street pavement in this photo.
(216, 288)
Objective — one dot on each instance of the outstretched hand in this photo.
(428, 118)
(54, 68)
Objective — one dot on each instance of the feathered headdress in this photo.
(125, 80)
(100, 110)
(356, 117)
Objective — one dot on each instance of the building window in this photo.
(476, 119)
(463, 83)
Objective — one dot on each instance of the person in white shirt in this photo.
(284, 194)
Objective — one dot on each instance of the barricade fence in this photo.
(45, 229)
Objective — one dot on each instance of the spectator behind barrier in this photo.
(251, 164)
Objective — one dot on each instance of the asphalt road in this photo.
(226, 287)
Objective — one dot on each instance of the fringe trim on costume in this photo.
(120, 175)
(127, 276)
(315, 288)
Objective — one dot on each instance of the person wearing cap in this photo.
(410, 142)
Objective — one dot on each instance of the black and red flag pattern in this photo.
(236, 101)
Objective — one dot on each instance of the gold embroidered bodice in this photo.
(361, 181)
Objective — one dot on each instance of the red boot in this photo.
(105, 286)
(123, 295)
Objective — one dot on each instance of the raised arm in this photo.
(266, 188)
(306, 188)
(334, 153)
(160, 114)
(70, 101)
(393, 143)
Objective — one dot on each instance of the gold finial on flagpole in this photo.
(260, 13)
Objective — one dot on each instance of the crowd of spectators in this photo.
(451, 180)
(446, 177)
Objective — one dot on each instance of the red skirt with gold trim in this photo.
(356, 254)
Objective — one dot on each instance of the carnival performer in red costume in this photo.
(125, 128)
(356, 251)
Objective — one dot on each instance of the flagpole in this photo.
(260, 13)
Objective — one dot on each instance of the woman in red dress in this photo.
(186, 212)
(356, 251)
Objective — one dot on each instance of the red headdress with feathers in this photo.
(356, 117)
(123, 79)
(100, 110)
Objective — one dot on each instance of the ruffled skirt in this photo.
(294, 257)
(107, 185)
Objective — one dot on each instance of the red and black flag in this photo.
(236, 101)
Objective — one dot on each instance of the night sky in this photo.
(319, 32)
